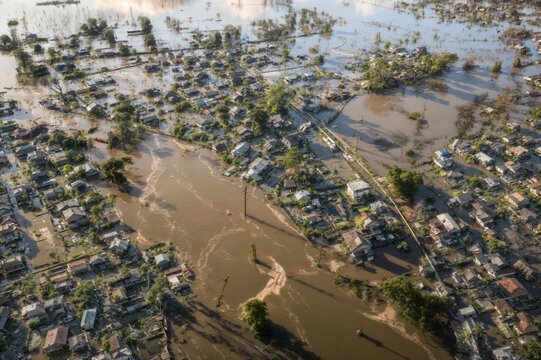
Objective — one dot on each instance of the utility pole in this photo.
(245, 200)
(359, 137)
(219, 301)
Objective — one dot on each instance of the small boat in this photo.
(359, 332)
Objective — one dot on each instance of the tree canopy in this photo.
(259, 119)
(113, 170)
(255, 314)
(530, 350)
(293, 158)
(277, 98)
(406, 183)
(146, 25)
(426, 311)
(94, 27)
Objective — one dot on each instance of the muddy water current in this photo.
(179, 195)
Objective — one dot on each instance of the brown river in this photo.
(179, 195)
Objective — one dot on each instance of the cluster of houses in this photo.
(481, 237)
(70, 311)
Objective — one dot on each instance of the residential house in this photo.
(75, 217)
(54, 304)
(256, 169)
(162, 261)
(513, 290)
(294, 140)
(526, 215)
(151, 120)
(88, 319)
(99, 262)
(358, 190)
(302, 195)
(504, 353)
(516, 200)
(443, 230)
(525, 269)
(482, 214)
(119, 295)
(525, 326)
(13, 264)
(56, 339)
(357, 244)
(34, 310)
(535, 188)
(5, 317)
(484, 159)
(219, 147)
(518, 152)
(78, 267)
(78, 342)
(492, 183)
(119, 246)
(241, 149)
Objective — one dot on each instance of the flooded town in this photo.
(270, 179)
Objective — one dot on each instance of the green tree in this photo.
(426, 311)
(6, 43)
(259, 119)
(124, 50)
(255, 314)
(277, 98)
(293, 158)
(94, 27)
(83, 295)
(217, 39)
(38, 49)
(179, 129)
(109, 36)
(157, 291)
(319, 60)
(403, 246)
(530, 350)
(406, 183)
(149, 40)
(23, 58)
(113, 170)
(517, 64)
(146, 25)
(497, 68)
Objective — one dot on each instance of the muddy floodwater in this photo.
(179, 195)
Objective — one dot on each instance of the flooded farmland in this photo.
(179, 194)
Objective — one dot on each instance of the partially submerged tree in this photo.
(146, 25)
(113, 170)
(255, 314)
(426, 311)
(94, 27)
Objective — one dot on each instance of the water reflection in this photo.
(147, 7)
(368, 7)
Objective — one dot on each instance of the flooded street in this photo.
(180, 196)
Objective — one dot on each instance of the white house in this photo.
(358, 189)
